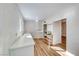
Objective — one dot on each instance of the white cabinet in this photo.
(22, 51)
(23, 46)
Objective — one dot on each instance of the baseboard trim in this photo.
(69, 54)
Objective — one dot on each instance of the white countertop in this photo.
(25, 40)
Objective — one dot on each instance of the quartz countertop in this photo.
(25, 40)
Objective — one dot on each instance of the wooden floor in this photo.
(63, 46)
(42, 49)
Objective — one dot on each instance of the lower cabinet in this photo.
(22, 51)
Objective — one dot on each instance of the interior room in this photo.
(59, 28)
(39, 29)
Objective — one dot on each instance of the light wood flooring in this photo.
(42, 49)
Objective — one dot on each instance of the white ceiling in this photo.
(36, 11)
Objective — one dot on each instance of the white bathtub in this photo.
(23, 46)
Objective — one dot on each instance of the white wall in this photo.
(40, 25)
(50, 28)
(21, 23)
(9, 26)
(56, 32)
(30, 27)
(33, 27)
(73, 33)
(72, 15)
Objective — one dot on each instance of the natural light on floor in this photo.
(61, 51)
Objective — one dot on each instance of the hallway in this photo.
(42, 49)
(21, 23)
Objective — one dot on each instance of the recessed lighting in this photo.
(36, 20)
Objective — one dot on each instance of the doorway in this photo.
(59, 33)
(63, 33)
